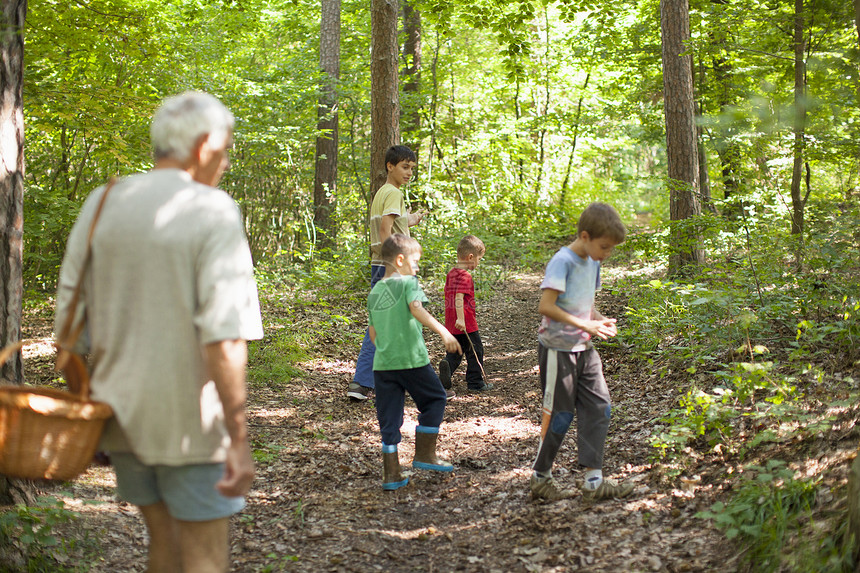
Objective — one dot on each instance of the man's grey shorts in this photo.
(188, 491)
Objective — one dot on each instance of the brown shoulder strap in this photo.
(68, 335)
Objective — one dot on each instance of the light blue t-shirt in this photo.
(577, 280)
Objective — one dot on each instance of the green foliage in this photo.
(768, 515)
(272, 361)
(278, 563)
(31, 532)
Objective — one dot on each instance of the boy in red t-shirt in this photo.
(460, 318)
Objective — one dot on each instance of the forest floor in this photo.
(317, 502)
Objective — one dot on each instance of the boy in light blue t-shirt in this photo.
(571, 372)
(401, 363)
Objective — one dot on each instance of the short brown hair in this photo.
(398, 244)
(470, 245)
(601, 220)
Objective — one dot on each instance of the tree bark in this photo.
(702, 156)
(11, 196)
(384, 99)
(576, 123)
(797, 201)
(411, 117)
(853, 503)
(681, 148)
(325, 172)
(857, 19)
(12, 180)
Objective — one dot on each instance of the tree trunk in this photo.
(857, 19)
(853, 503)
(11, 191)
(797, 201)
(576, 123)
(704, 177)
(411, 115)
(681, 148)
(701, 153)
(384, 100)
(545, 111)
(325, 172)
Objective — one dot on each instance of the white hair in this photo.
(182, 119)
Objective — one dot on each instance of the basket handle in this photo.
(72, 365)
(7, 352)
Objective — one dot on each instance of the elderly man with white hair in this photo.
(169, 300)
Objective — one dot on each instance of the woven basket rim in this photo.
(52, 402)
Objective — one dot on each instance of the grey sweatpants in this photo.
(572, 381)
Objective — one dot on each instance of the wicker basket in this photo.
(47, 433)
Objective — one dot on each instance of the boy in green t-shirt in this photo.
(401, 363)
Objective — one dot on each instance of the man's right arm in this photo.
(225, 362)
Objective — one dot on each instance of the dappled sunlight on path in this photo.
(317, 502)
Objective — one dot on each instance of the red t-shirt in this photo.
(460, 281)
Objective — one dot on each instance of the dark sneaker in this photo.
(445, 374)
(450, 393)
(485, 388)
(358, 393)
(608, 489)
(546, 488)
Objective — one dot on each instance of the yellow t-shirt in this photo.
(388, 201)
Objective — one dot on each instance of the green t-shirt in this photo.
(399, 335)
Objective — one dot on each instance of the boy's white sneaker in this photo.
(608, 489)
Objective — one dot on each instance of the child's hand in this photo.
(603, 329)
(416, 217)
(451, 344)
(460, 324)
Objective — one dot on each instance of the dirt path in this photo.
(317, 504)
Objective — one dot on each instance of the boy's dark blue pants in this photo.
(473, 349)
(426, 390)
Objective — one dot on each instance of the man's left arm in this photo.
(226, 361)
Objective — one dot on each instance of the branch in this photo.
(742, 49)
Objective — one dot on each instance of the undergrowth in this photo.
(30, 539)
(760, 349)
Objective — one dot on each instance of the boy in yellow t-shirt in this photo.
(388, 215)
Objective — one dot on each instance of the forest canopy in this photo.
(521, 113)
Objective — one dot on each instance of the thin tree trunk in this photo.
(857, 19)
(545, 111)
(411, 116)
(434, 107)
(517, 115)
(704, 177)
(797, 202)
(11, 196)
(566, 182)
(325, 172)
(682, 154)
(384, 99)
